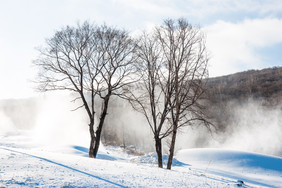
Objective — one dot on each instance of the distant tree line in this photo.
(258, 84)
(162, 74)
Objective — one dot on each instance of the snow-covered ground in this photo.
(25, 163)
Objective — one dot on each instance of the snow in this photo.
(263, 170)
(25, 163)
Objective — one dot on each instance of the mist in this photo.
(48, 119)
(251, 125)
(255, 127)
(126, 127)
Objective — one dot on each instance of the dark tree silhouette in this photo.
(92, 61)
(185, 56)
(147, 97)
(173, 66)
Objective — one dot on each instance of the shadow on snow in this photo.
(67, 167)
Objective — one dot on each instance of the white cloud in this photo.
(25, 25)
(204, 8)
(234, 46)
(148, 6)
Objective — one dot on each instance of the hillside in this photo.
(263, 84)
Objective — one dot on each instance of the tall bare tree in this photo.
(92, 61)
(173, 63)
(186, 71)
(148, 98)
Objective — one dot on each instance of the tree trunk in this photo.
(101, 123)
(158, 145)
(171, 149)
(97, 143)
(92, 139)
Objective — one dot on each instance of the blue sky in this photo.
(241, 34)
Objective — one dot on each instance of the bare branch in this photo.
(78, 107)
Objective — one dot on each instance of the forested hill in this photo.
(263, 84)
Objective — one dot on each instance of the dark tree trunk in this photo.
(92, 139)
(158, 146)
(101, 123)
(171, 149)
(97, 143)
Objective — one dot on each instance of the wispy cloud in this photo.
(204, 8)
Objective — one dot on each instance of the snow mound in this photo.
(249, 168)
(230, 158)
(152, 158)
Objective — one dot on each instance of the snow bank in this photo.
(230, 158)
(152, 159)
(258, 169)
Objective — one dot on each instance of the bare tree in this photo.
(186, 62)
(94, 62)
(148, 98)
(173, 63)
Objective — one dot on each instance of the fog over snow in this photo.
(252, 126)
(53, 151)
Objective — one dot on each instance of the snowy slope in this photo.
(249, 167)
(24, 163)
